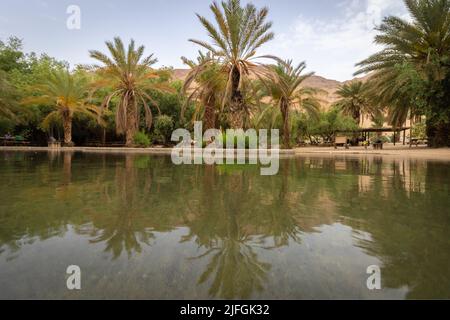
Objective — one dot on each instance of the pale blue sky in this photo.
(330, 35)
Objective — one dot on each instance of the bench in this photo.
(14, 142)
(341, 141)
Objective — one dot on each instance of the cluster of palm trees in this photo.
(410, 77)
(127, 75)
(227, 83)
(227, 80)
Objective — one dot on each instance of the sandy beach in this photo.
(421, 152)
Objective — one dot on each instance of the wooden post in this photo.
(404, 137)
(395, 138)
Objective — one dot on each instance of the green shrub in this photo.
(224, 138)
(164, 126)
(141, 139)
(419, 131)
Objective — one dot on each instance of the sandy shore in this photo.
(389, 150)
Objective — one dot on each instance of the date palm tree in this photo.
(424, 44)
(353, 100)
(67, 92)
(285, 87)
(238, 34)
(206, 83)
(131, 77)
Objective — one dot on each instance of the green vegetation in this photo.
(239, 33)
(211, 84)
(411, 74)
(42, 98)
(164, 127)
(327, 125)
(419, 131)
(284, 88)
(354, 101)
(67, 93)
(141, 139)
(129, 75)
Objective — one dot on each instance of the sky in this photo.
(330, 35)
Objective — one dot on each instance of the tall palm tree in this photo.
(284, 85)
(399, 96)
(239, 33)
(206, 83)
(67, 93)
(353, 100)
(131, 77)
(424, 44)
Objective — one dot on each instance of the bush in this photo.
(164, 126)
(224, 138)
(419, 131)
(141, 139)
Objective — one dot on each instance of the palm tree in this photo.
(239, 33)
(354, 101)
(424, 44)
(210, 83)
(67, 92)
(284, 85)
(131, 77)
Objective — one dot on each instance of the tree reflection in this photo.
(125, 227)
(121, 204)
(408, 226)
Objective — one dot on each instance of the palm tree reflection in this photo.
(125, 228)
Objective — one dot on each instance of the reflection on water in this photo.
(140, 227)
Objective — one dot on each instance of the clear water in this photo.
(142, 228)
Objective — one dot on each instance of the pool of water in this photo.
(141, 228)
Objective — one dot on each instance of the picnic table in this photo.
(14, 141)
(378, 145)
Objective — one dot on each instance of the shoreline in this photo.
(389, 151)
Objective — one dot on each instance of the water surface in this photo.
(141, 228)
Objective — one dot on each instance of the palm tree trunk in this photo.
(103, 136)
(210, 115)
(286, 124)
(67, 126)
(357, 117)
(132, 124)
(237, 101)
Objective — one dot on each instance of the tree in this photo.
(67, 93)
(239, 33)
(131, 77)
(8, 102)
(11, 55)
(329, 123)
(354, 101)
(210, 83)
(424, 44)
(284, 85)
